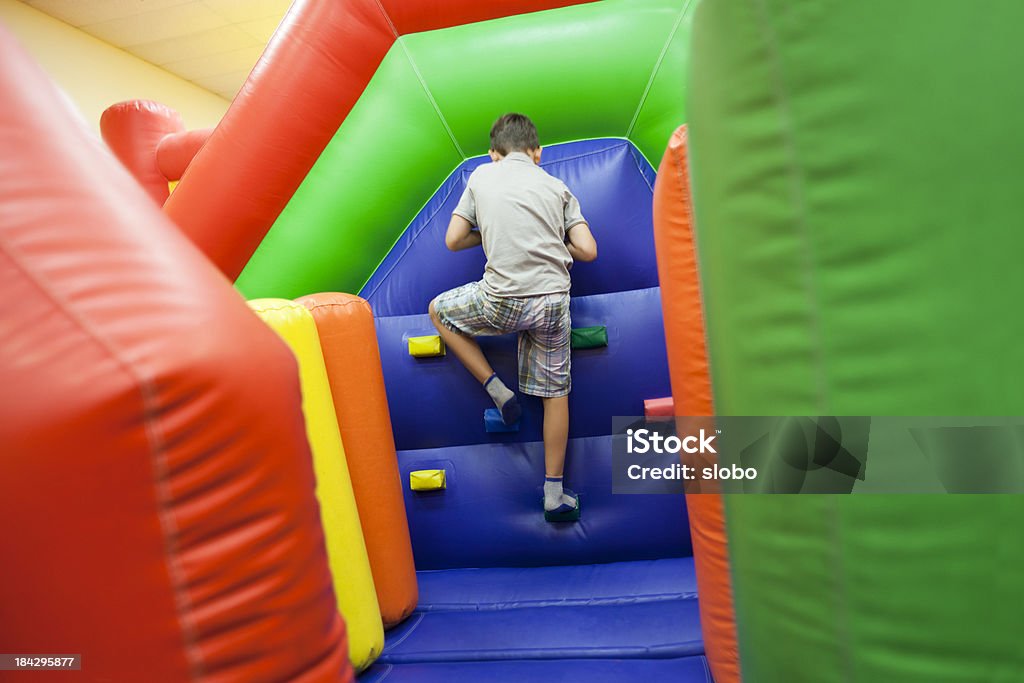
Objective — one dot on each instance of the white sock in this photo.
(555, 497)
(504, 399)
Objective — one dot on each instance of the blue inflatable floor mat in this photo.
(668, 628)
(586, 584)
(682, 670)
(623, 621)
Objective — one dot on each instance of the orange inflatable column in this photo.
(691, 388)
(348, 340)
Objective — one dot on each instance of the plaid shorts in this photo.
(541, 321)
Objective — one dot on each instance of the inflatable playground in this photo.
(234, 448)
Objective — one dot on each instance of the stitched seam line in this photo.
(430, 97)
(392, 645)
(619, 142)
(843, 622)
(612, 651)
(640, 169)
(682, 175)
(405, 251)
(387, 18)
(362, 303)
(799, 201)
(553, 602)
(147, 393)
(271, 309)
(657, 67)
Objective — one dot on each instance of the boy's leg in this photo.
(465, 349)
(556, 435)
(544, 369)
(468, 352)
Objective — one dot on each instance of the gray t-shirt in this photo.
(523, 214)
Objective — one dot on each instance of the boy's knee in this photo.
(434, 318)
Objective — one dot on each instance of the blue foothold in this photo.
(494, 425)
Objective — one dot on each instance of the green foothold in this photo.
(589, 337)
(571, 516)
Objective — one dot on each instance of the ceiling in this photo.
(212, 43)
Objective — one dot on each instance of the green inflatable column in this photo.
(857, 186)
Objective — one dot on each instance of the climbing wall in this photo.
(498, 583)
(437, 408)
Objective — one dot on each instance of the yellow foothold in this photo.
(427, 480)
(426, 347)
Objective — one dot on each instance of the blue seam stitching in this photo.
(412, 627)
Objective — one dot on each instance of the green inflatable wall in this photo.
(856, 178)
(603, 69)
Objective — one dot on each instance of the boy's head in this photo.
(514, 133)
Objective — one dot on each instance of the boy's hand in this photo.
(581, 243)
(461, 235)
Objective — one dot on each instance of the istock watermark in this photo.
(818, 454)
(646, 440)
(643, 441)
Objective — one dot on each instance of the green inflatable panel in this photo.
(664, 102)
(603, 69)
(856, 179)
(579, 72)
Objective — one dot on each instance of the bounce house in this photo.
(234, 448)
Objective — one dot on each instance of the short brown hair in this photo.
(514, 133)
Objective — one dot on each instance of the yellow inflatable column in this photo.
(346, 550)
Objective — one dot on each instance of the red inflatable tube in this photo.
(307, 80)
(691, 388)
(133, 130)
(428, 15)
(314, 69)
(156, 501)
(176, 151)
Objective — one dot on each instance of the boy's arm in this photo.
(460, 234)
(581, 243)
(578, 238)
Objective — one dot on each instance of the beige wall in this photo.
(95, 74)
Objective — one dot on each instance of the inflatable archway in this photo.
(167, 441)
(590, 70)
(497, 582)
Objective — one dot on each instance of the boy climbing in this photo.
(531, 230)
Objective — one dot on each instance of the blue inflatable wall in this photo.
(611, 597)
